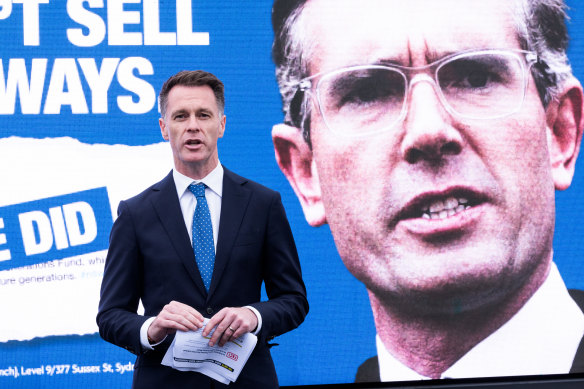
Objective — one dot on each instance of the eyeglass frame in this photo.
(526, 58)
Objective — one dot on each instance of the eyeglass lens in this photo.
(372, 98)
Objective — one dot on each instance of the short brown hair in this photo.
(192, 78)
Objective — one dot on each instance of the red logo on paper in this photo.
(230, 355)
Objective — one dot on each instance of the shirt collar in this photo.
(213, 180)
(542, 338)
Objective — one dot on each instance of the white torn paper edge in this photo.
(35, 169)
(190, 351)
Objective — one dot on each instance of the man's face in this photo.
(193, 124)
(375, 189)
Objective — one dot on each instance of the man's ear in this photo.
(163, 128)
(294, 157)
(564, 121)
(222, 126)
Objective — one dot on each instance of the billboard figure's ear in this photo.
(564, 123)
(294, 157)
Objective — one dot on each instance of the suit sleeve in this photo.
(287, 306)
(121, 286)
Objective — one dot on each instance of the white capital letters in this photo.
(4, 254)
(152, 34)
(6, 8)
(127, 79)
(65, 73)
(184, 26)
(17, 78)
(117, 17)
(86, 217)
(27, 223)
(30, 20)
(59, 231)
(99, 80)
(92, 21)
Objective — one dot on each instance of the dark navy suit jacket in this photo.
(150, 258)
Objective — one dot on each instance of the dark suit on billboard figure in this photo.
(431, 137)
(369, 370)
(151, 259)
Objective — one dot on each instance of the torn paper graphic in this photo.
(58, 200)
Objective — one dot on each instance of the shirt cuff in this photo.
(257, 313)
(144, 335)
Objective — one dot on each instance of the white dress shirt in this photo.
(542, 338)
(188, 202)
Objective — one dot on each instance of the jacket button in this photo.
(210, 310)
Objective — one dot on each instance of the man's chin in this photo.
(449, 297)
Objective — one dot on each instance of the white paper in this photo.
(190, 351)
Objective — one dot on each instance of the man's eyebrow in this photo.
(389, 62)
(430, 57)
(178, 111)
(205, 110)
(433, 56)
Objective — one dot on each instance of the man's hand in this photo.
(229, 324)
(174, 316)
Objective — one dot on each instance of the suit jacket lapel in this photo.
(234, 202)
(167, 206)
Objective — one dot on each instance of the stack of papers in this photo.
(190, 351)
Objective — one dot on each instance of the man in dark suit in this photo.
(369, 371)
(431, 136)
(156, 258)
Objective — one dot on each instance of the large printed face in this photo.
(386, 196)
(192, 125)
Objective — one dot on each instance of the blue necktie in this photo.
(203, 235)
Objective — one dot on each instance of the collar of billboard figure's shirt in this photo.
(542, 338)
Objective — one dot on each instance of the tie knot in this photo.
(198, 189)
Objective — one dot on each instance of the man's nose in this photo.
(193, 123)
(429, 132)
